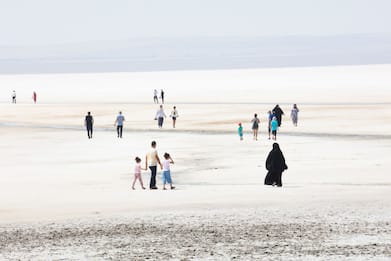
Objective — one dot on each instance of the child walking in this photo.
(166, 171)
(274, 127)
(137, 173)
(240, 131)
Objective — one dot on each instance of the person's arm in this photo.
(158, 160)
(146, 162)
(92, 120)
(171, 160)
(116, 120)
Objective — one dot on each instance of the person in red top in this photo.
(35, 97)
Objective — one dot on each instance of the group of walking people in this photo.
(274, 120)
(13, 97)
(89, 124)
(275, 162)
(156, 98)
(120, 119)
(152, 161)
(161, 115)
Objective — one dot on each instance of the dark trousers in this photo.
(160, 121)
(152, 183)
(89, 131)
(119, 131)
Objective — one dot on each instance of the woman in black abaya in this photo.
(275, 164)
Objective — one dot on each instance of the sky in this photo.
(31, 22)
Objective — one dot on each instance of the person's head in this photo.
(166, 155)
(137, 159)
(161, 106)
(120, 112)
(174, 107)
(294, 106)
(276, 146)
(240, 124)
(277, 106)
(153, 144)
(89, 113)
(255, 115)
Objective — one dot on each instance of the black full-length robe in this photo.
(275, 164)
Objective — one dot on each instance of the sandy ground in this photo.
(65, 197)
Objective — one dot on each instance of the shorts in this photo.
(166, 177)
(173, 118)
(274, 132)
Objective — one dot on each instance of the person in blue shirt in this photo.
(274, 127)
(120, 123)
(240, 131)
(269, 119)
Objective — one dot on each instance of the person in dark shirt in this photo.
(162, 95)
(89, 122)
(278, 113)
(275, 164)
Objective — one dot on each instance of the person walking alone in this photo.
(174, 115)
(13, 97)
(275, 164)
(160, 115)
(35, 97)
(120, 123)
(89, 122)
(295, 115)
(255, 126)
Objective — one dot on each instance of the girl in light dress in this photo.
(137, 173)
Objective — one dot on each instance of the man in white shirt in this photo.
(160, 115)
(151, 160)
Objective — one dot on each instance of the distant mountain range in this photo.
(160, 54)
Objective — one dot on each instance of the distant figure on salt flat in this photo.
(155, 99)
(255, 126)
(278, 113)
(151, 160)
(160, 115)
(275, 164)
(274, 127)
(295, 114)
(162, 95)
(166, 175)
(89, 122)
(270, 116)
(174, 115)
(240, 131)
(137, 173)
(13, 97)
(35, 97)
(119, 121)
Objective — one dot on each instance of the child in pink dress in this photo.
(137, 173)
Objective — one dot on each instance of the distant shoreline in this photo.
(197, 53)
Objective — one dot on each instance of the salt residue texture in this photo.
(63, 196)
